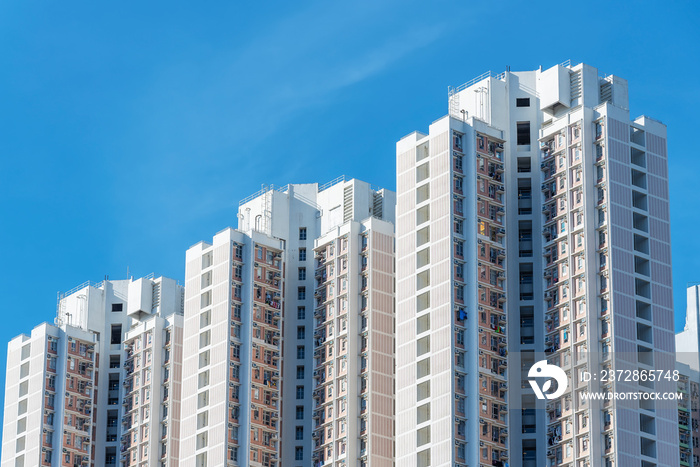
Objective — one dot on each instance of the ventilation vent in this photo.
(347, 203)
(377, 207)
(156, 296)
(575, 88)
(605, 91)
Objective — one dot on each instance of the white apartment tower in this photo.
(687, 349)
(533, 223)
(289, 331)
(232, 345)
(76, 395)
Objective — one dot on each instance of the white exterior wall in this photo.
(84, 318)
(689, 385)
(687, 341)
(320, 209)
(353, 367)
(432, 429)
(560, 99)
(210, 433)
(153, 440)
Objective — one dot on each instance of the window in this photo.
(302, 274)
(302, 233)
(302, 254)
(300, 432)
(204, 339)
(299, 453)
(522, 102)
(301, 332)
(459, 248)
(116, 307)
(300, 392)
(205, 319)
(300, 372)
(116, 337)
(300, 412)
(523, 133)
(301, 293)
(301, 312)
(524, 164)
(301, 352)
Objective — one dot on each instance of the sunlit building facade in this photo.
(92, 388)
(688, 366)
(533, 223)
(295, 307)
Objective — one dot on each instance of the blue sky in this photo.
(129, 132)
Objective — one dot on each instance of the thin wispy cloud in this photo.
(260, 83)
(366, 64)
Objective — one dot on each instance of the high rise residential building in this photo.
(687, 345)
(232, 345)
(688, 416)
(95, 388)
(532, 224)
(688, 340)
(289, 331)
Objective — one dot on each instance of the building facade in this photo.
(345, 325)
(688, 366)
(283, 307)
(69, 396)
(232, 343)
(534, 218)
